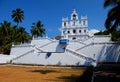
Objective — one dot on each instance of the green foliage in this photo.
(116, 36)
(13, 34)
(113, 17)
(9, 34)
(112, 22)
(102, 33)
(37, 29)
(17, 15)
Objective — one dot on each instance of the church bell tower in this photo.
(75, 29)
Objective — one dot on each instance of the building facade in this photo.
(75, 29)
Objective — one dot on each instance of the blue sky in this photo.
(50, 12)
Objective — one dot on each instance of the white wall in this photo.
(5, 58)
(100, 49)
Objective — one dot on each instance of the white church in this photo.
(75, 48)
(75, 29)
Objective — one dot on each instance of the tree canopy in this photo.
(37, 29)
(113, 17)
(17, 34)
(17, 15)
(112, 22)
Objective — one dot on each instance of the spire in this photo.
(74, 10)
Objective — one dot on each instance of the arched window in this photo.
(83, 22)
(79, 31)
(74, 38)
(74, 16)
(68, 32)
(64, 23)
(74, 31)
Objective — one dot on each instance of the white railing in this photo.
(78, 42)
(23, 45)
(46, 44)
(36, 48)
(23, 55)
(80, 55)
(84, 46)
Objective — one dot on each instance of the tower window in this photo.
(79, 31)
(74, 17)
(85, 31)
(74, 31)
(68, 32)
(74, 38)
(64, 23)
(83, 22)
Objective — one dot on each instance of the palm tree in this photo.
(113, 17)
(5, 27)
(37, 29)
(17, 15)
(22, 35)
(4, 33)
(14, 34)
